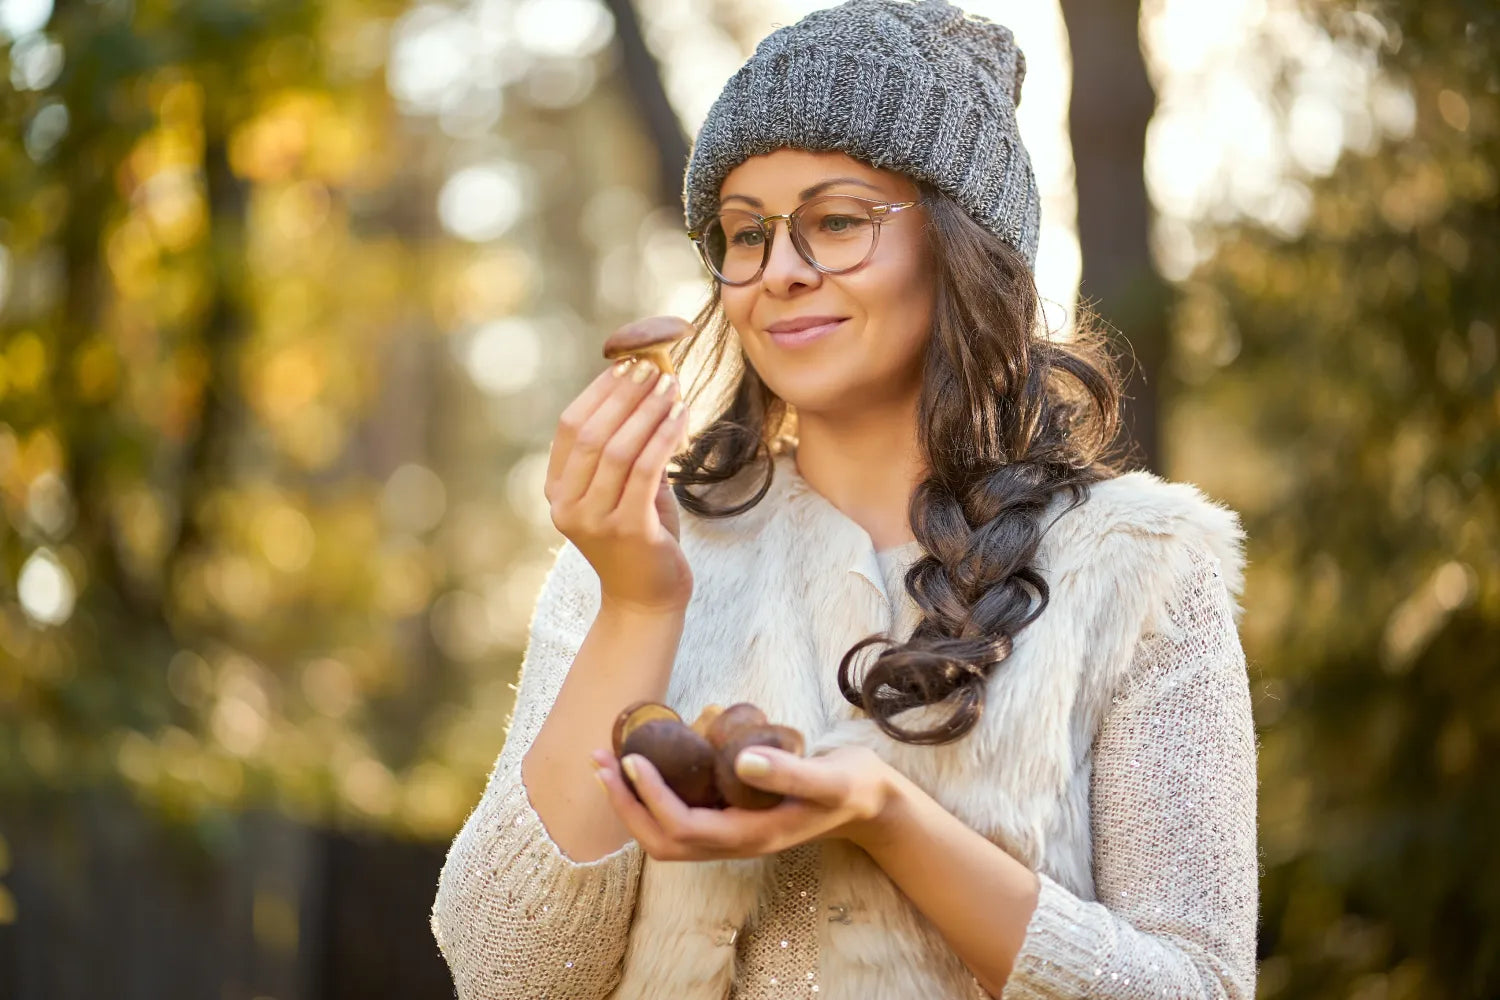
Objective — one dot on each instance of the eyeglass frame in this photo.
(879, 212)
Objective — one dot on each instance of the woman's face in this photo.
(873, 355)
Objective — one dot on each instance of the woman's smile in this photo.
(796, 333)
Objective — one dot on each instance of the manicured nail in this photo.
(752, 765)
(662, 385)
(599, 777)
(628, 766)
(641, 373)
(676, 409)
(620, 369)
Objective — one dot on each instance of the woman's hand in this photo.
(844, 793)
(607, 487)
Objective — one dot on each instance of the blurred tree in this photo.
(283, 290)
(199, 279)
(1358, 428)
(290, 295)
(642, 72)
(1112, 103)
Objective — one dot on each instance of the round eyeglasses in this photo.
(834, 233)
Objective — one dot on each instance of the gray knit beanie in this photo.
(921, 88)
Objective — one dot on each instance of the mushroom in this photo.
(732, 719)
(648, 339)
(634, 715)
(697, 761)
(682, 757)
(706, 718)
(735, 791)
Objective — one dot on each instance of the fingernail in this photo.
(620, 369)
(662, 385)
(752, 765)
(676, 409)
(641, 373)
(628, 766)
(599, 777)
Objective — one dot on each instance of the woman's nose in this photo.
(785, 267)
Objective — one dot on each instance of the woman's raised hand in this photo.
(607, 487)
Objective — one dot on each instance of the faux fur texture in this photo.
(783, 591)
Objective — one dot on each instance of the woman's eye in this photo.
(839, 223)
(746, 238)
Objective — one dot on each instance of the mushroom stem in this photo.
(661, 358)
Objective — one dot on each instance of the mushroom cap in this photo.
(654, 331)
(731, 720)
(634, 715)
(684, 759)
(736, 792)
(706, 718)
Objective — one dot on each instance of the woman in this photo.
(1031, 763)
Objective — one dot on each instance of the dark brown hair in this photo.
(1009, 417)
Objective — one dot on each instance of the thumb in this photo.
(666, 507)
(816, 779)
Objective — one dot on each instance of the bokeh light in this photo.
(19, 18)
(480, 203)
(45, 589)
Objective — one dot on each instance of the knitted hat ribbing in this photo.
(918, 87)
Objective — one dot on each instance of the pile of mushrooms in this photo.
(697, 761)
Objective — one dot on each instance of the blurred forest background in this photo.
(292, 293)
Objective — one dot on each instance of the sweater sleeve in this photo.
(515, 917)
(1173, 806)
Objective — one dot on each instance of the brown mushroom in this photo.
(633, 716)
(736, 792)
(733, 719)
(706, 719)
(649, 339)
(682, 757)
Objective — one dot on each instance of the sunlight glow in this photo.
(480, 203)
(19, 18)
(45, 589)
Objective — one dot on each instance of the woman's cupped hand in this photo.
(845, 793)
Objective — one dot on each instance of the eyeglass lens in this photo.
(836, 233)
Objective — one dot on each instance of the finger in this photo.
(622, 462)
(815, 779)
(639, 494)
(728, 832)
(581, 461)
(636, 817)
(577, 412)
(703, 832)
(664, 805)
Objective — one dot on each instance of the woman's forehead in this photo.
(785, 174)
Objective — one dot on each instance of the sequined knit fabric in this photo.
(922, 88)
(1172, 800)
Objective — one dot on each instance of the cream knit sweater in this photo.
(1116, 758)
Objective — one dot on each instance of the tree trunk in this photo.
(1113, 101)
(644, 77)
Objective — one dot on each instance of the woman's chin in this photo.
(809, 397)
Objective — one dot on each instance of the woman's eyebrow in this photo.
(811, 192)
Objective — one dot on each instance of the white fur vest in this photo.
(781, 592)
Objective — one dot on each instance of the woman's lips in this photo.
(807, 336)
